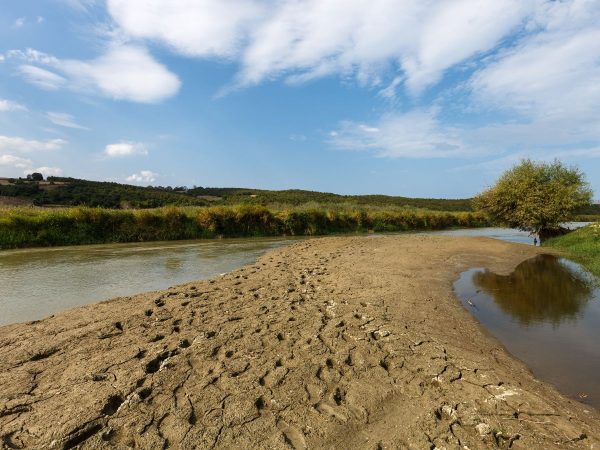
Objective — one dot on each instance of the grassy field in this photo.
(582, 245)
(29, 227)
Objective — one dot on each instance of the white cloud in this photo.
(305, 39)
(64, 120)
(416, 134)
(123, 72)
(8, 105)
(548, 83)
(32, 56)
(12, 146)
(40, 19)
(42, 78)
(194, 28)
(457, 30)
(552, 75)
(19, 144)
(144, 176)
(19, 22)
(14, 161)
(125, 149)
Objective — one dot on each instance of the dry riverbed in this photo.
(340, 343)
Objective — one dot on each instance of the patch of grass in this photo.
(31, 227)
(582, 245)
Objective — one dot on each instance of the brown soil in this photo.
(334, 343)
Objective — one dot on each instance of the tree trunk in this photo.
(546, 233)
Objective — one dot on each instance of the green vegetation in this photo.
(582, 245)
(536, 197)
(72, 192)
(27, 227)
(60, 191)
(297, 197)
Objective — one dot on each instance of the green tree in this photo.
(536, 197)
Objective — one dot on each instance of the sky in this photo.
(419, 98)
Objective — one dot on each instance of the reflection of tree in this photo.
(540, 289)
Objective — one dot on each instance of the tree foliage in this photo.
(536, 197)
(36, 176)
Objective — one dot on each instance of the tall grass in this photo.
(28, 227)
(582, 245)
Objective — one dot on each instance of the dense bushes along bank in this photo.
(582, 245)
(21, 227)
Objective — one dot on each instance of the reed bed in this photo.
(34, 227)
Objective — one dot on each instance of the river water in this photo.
(35, 283)
(546, 313)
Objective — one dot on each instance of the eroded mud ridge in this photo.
(331, 343)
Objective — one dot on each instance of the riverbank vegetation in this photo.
(28, 227)
(582, 245)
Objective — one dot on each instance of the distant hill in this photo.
(298, 197)
(61, 191)
(74, 192)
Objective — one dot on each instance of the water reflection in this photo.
(546, 313)
(540, 289)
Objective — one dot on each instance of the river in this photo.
(35, 283)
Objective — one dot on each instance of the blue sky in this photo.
(412, 97)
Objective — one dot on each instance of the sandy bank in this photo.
(347, 342)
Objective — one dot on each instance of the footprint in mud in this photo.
(274, 377)
(329, 410)
(112, 405)
(314, 393)
(292, 435)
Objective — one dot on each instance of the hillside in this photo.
(73, 192)
(60, 191)
(298, 197)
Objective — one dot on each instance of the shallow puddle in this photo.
(546, 313)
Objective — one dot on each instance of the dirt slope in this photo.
(338, 343)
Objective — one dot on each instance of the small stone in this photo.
(448, 412)
(483, 429)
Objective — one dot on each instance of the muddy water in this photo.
(547, 313)
(35, 283)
